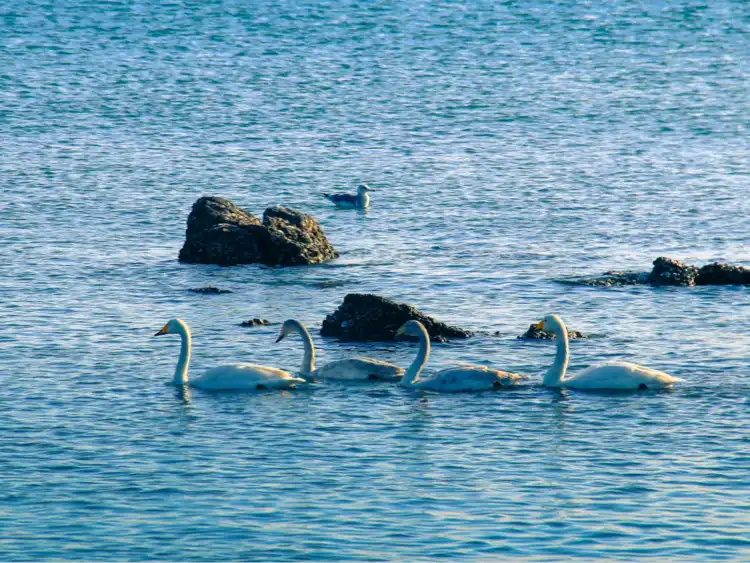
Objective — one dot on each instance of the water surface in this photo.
(511, 144)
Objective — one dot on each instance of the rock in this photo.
(254, 322)
(667, 271)
(538, 334)
(219, 232)
(671, 272)
(365, 317)
(209, 290)
(613, 279)
(723, 274)
(296, 238)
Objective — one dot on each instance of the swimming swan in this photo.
(229, 376)
(613, 375)
(347, 201)
(351, 369)
(461, 378)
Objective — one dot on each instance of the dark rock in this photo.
(723, 274)
(671, 272)
(365, 317)
(667, 271)
(254, 322)
(209, 290)
(219, 232)
(538, 334)
(614, 279)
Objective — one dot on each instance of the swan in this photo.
(612, 375)
(461, 378)
(226, 377)
(348, 201)
(351, 369)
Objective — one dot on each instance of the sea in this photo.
(511, 146)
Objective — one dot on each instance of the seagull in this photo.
(347, 201)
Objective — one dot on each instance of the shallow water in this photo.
(510, 144)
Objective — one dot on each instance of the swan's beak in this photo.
(163, 330)
(401, 331)
(539, 325)
(280, 338)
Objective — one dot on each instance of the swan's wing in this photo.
(484, 373)
(621, 375)
(379, 369)
(359, 368)
(244, 376)
(469, 378)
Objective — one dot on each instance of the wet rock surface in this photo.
(538, 334)
(667, 271)
(209, 290)
(254, 322)
(363, 317)
(670, 272)
(613, 279)
(219, 232)
(723, 274)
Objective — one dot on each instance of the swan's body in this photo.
(351, 369)
(348, 201)
(451, 380)
(612, 375)
(227, 377)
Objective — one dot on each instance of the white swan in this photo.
(461, 378)
(347, 201)
(351, 369)
(226, 377)
(612, 375)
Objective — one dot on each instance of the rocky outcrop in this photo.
(219, 232)
(209, 290)
(254, 322)
(723, 274)
(538, 334)
(611, 279)
(363, 316)
(667, 271)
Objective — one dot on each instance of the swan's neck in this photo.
(181, 373)
(555, 374)
(364, 198)
(411, 376)
(308, 361)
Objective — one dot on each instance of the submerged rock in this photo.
(723, 274)
(209, 290)
(667, 271)
(219, 232)
(254, 322)
(613, 279)
(538, 334)
(364, 316)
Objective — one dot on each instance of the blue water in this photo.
(511, 144)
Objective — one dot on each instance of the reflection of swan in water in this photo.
(226, 377)
(461, 378)
(352, 369)
(348, 201)
(613, 375)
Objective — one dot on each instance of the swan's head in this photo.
(289, 327)
(549, 323)
(411, 328)
(364, 188)
(175, 326)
